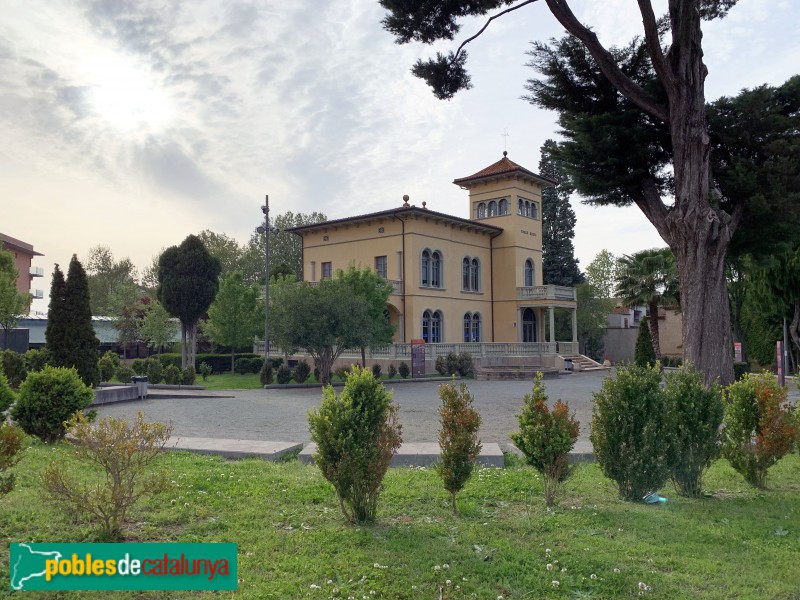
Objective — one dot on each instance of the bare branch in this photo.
(653, 42)
(500, 14)
(627, 87)
(651, 205)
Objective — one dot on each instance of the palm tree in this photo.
(648, 278)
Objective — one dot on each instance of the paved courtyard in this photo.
(281, 414)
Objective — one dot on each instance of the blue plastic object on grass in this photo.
(654, 499)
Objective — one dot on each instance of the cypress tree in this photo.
(644, 354)
(559, 265)
(55, 334)
(84, 347)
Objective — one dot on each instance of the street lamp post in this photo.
(265, 229)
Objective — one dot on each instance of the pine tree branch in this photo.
(486, 25)
(627, 87)
(653, 41)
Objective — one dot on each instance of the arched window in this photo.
(467, 327)
(476, 327)
(426, 326)
(527, 209)
(481, 210)
(529, 273)
(534, 210)
(521, 208)
(528, 325)
(465, 274)
(492, 208)
(476, 275)
(436, 269)
(436, 327)
(424, 275)
(502, 207)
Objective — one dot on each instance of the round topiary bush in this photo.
(376, 371)
(301, 372)
(106, 367)
(392, 371)
(47, 399)
(172, 375)
(188, 375)
(404, 370)
(205, 370)
(139, 366)
(265, 375)
(284, 375)
(155, 371)
(124, 373)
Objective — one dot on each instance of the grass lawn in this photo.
(251, 381)
(737, 543)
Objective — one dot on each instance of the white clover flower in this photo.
(555, 583)
(437, 568)
(413, 587)
(330, 581)
(616, 570)
(185, 505)
(314, 586)
(592, 576)
(448, 582)
(549, 566)
(563, 569)
(644, 587)
(445, 566)
(172, 502)
(335, 591)
(547, 551)
(464, 579)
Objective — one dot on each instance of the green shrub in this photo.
(276, 362)
(631, 431)
(301, 372)
(124, 373)
(13, 365)
(172, 375)
(697, 412)
(265, 375)
(7, 395)
(759, 428)
(155, 371)
(404, 370)
(47, 399)
(284, 375)
(740, 369)
(391, 371)
(125, 452)
(342, 373)
(241, 366)
(644, 353)
(376, 371)
(458, 438)
(219, 363)
(464, 364)
(440, 365)
(36, 359)
(11, 439)
(256, 363)
(205, 370)
(546, 438)
(107, 368)
(139, 367)
(113, 357)
(188, 376)
(172, 358)
(357, 434)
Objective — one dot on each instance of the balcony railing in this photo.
(36, 272)
(432, 351)
(546, 292)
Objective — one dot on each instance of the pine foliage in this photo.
(644, 353)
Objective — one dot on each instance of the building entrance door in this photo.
(528, 325)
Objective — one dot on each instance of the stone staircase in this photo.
(584, 363)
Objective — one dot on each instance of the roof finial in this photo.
(505, 136)
(505, 153)
(405, 201)
(424, 204)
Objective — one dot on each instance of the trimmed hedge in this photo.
(219, 363)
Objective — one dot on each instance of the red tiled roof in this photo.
(504, 166)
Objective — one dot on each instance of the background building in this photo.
(23, 258)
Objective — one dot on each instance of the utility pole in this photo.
(265, 229)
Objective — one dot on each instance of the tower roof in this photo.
(503, 168)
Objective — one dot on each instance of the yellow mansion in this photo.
(456, 280)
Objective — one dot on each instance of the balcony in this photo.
(37, 294)
(36, 272)
(546, 292)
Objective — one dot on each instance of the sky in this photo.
(132, 123)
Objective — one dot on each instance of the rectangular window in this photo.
(380, 266)
(326, 270)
